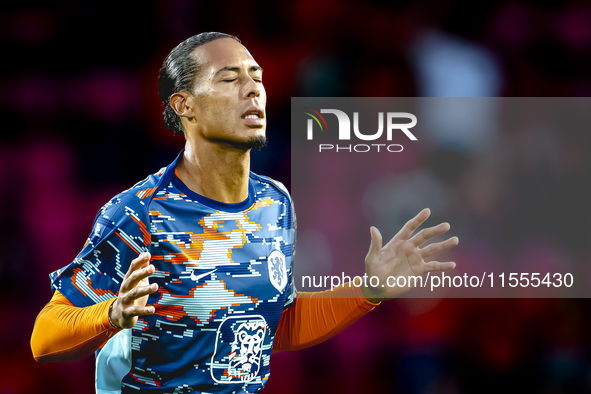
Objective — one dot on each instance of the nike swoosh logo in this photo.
(197, 277)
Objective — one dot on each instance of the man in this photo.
(185, 283)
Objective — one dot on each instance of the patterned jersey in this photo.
(224, 273)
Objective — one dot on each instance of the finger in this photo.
(439, 247)
(410, 226)
(137, 263)
(135, 310)
(437, 266)
(139, 292)
(426, 234)
(136, 276)
(375, 247)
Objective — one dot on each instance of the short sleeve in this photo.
(291, 288)
(119, 234)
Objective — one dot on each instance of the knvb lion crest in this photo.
(277, 269)
(238, 353)
(247, 348)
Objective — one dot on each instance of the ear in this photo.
(182, 104)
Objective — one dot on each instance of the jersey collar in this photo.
(169, 176)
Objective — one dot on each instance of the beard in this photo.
(253, 143)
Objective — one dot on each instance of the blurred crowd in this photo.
(82, 122)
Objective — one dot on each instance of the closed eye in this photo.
(229, 80)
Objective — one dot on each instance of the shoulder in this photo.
(272, 183)
(145, 189)
(131, 203)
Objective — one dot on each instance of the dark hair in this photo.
(178, 73)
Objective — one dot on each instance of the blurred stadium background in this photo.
(81, 121)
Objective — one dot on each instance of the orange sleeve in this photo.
(64, 332)
(316, 317)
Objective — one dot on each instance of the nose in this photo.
(254, 92)
(253, 89)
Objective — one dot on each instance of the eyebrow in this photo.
(236, 69)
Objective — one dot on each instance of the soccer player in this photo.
(185, 282)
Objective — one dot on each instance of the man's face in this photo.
(229, 95)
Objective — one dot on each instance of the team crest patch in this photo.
(277, 269)
(239, 348)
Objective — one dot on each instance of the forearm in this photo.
(316, 317)
(64, 332)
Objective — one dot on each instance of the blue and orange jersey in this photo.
(224, 273)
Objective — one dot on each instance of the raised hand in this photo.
(403, 257)
(134, 292)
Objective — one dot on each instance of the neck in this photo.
(216, 171)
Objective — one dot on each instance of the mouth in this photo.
(253, 113)
(254, 116)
